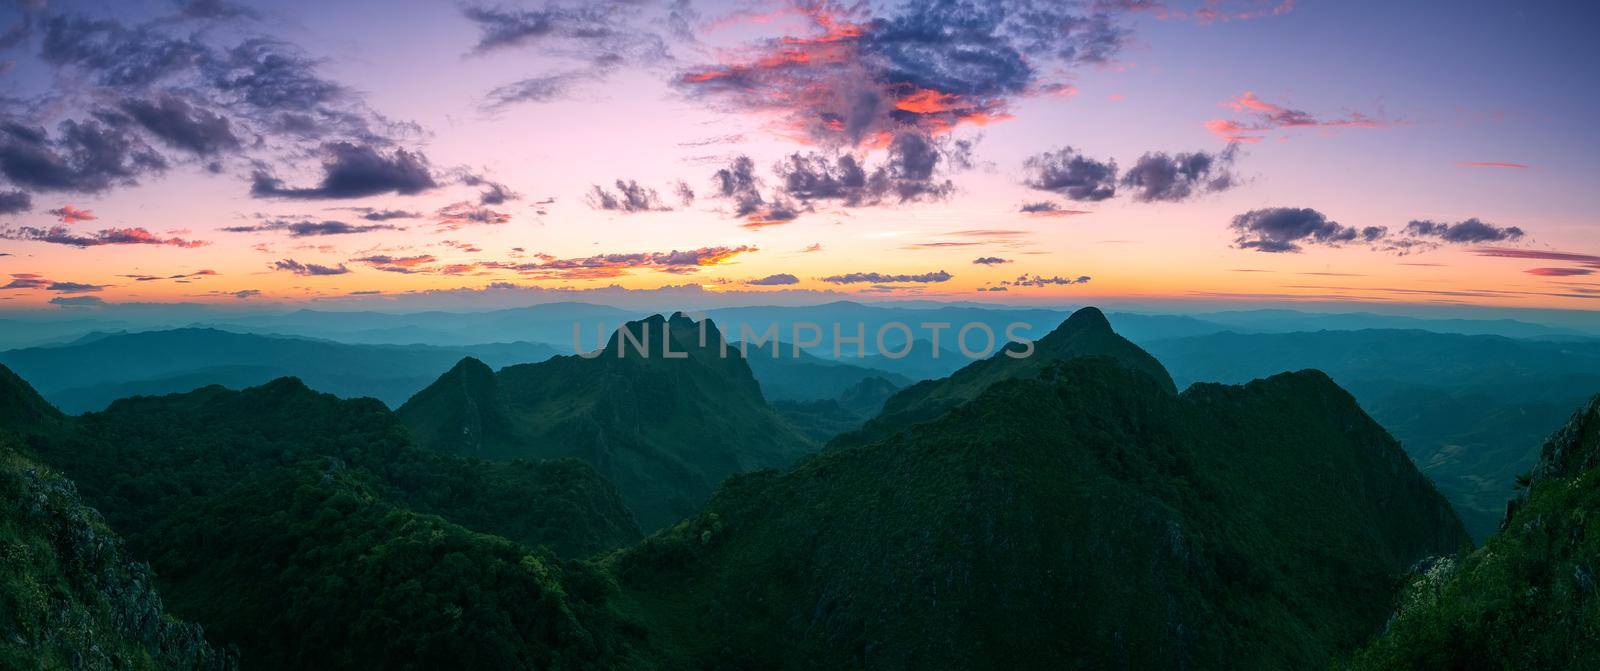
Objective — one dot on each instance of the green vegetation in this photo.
(1085, 518)
(70, 598)
(1526, 599)
(1085, 333)
(310, 533)
(1470, 410)
(664, 429)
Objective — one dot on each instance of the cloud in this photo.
(15, 202)
(1491, 164)
(880, 278)
(1209, 11)
(1586, 260)
(629, 197)
(813, 247)
(397, 264)
(1265, 116)
(605, 36)
(1559, 272)
(613, 265)
(1286, 229)
(355, 171)
(780, 279)
(74, 287)
(1045, 208)
(494, 193)
(184, 276)
(213, 10)
(246, 293)
(305, 229)
(1073, 175)
(990, 260)
(183, 126)
(1469, 231)
(71, 215)
(374, 214)
(1158, 177)
(78, 301)
(930, 66)
(84, 156)
(309, 269)
(61, 235)
(457, 215)
(1026, 280)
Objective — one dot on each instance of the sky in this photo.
(236, 152)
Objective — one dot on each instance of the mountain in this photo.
(70, 596)
(665, 423)
(549, 322)
(824, 419)
(91, 372)
(787, 373)
(1470, 410)
(311, 533)
(1083, 517)
(1526, 599)
(1085, 333)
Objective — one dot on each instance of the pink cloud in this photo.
(1266, 116)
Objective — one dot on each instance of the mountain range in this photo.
(94, 370)
(1471, 410)
(1059, 504)
(665, 411)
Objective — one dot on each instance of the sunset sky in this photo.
(233, 151)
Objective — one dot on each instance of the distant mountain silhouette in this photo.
(666, 430)
(786, 375)
(90, 373)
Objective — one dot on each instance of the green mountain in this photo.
(1085, 333)
(824, 419)
(1084, 518)
(92, 372)
(70, 595)
(1527, 598)
(1470, 410)
(660, 412)
(311, 533)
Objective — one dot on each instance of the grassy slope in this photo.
(1526, 599)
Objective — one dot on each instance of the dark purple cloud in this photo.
(355, 171)
(1159, 177)
(990, 260)
(881, 278)
(309, 269)
(1471, 231)
(1287, 229)
(780, 279)
(305, 229)
(61, 235)
(1072, 175)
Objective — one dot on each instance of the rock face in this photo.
(69, 596)
(1527, 599)
(1077, 515)
(661, 412)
